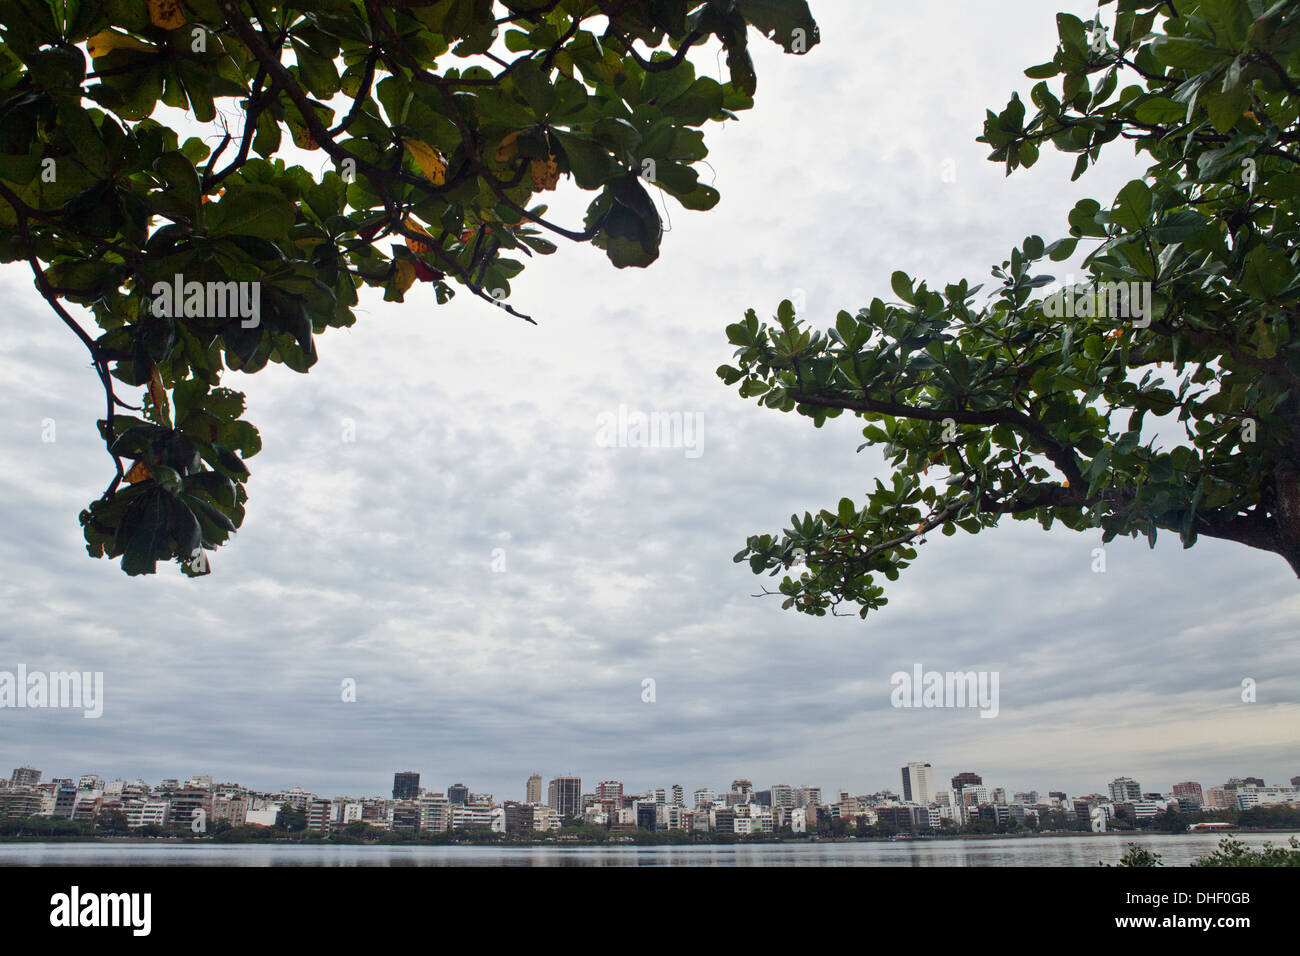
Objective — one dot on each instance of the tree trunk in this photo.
(1286, 477)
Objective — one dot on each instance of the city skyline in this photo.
(590, 785)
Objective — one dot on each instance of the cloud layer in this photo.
(476, 445)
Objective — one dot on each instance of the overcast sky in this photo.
(372, 560)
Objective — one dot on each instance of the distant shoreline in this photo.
(615, 843)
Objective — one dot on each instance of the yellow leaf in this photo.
(428, 159)
(302, 137)
(106, 41)
(419, 248)
(166, 14)
(546, 173)
(139, 472)
(405, 273)
(158, 398)
(508, 147)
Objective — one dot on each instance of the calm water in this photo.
(1032, 851)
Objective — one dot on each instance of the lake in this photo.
(1176, 850)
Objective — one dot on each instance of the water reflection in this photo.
(1178, 850)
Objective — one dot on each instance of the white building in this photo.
(782, 795)
(918, 785)
(435, 812)
(145, 813)
(1263, 796)
(1124, 790)
(263, 816)
(346, 811)
(472, 815)
(752, 818)
(545, 817)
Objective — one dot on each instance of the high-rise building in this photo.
(782, 795)
(1295, 782)
(1188, 793)
(434, 812)
(25, 777)
(661, 796)
(24, 802)
(406, 785)
(610, 790)
(1219, 798)
(742, 787)
(705, 798)
(917, 784)
(406, 816)
(458, 793)
(533, 791)
(519, 816)
(966, 779)
(564, 796)
(184, 804)
(65, 799)
(679, 795)
(1124, 789)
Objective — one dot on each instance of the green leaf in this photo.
(143, 534)
(181, 178)
(902, 286)
(1226, 108)
(847, 514)
(1133, 206)
(1179, 226)
(1160, 110)
(251, 211)
(591, 164)
(787, 22)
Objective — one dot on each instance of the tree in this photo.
(1045, 407)
(443, 122)
(1235, 853)
(112, 820)
(291, 818)
(1137, 856)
